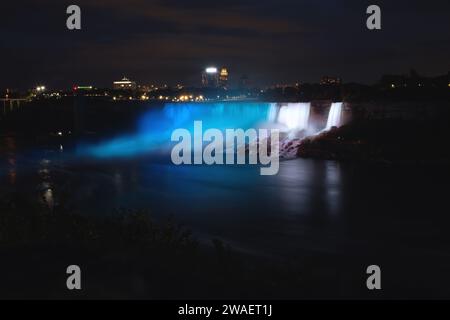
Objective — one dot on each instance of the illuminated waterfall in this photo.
(155, 127)
(295, 116)
(334, 116)
(273, 113)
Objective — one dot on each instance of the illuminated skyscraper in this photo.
(210, 77)
(223, 77)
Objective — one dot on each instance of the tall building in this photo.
(223, 77)
(124, 84)
(210, 77)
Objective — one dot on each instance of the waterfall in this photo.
(294, 116)
(334, 116)
(273, 113)
(230, 115)
(155, 127)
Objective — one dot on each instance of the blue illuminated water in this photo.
(154, 129)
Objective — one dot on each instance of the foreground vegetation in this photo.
(126, 255)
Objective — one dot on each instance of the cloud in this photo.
(171, 40)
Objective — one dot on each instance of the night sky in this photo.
(171, 41)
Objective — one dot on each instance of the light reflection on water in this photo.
(209, 198)
(48, 198)
(324, 205)
(333, 179)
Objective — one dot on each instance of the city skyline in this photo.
(169, 42)
(220, 80)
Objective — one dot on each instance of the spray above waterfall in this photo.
(295, 116)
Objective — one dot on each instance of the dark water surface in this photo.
(359, 214)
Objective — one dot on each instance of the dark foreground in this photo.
(320, 230)
(128, 256)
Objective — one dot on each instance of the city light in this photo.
(211, 70)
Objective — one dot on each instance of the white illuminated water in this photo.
(295, 116)
(273, 112)
(334, 116)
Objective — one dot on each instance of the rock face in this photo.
(325, 145)
(289, 148)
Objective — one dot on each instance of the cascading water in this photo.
(295, 116)
(273, 113)
(334, 116)
(155, 127)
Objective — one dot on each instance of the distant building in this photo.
(124, 84)
(223, 77)
(327, 80)
(210, 77)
